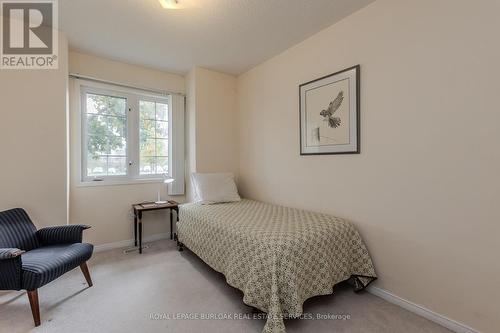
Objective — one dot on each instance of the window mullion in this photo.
(133, 116)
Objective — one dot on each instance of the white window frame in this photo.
(132, 97)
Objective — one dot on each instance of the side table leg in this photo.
(140, 232)
(140, 237)
(171, 224)
(135, 229)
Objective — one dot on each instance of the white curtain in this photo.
(177, 147)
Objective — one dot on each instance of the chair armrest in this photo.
(63, 234)
(10, 253)
(10, 268)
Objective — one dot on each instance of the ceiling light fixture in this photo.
(170, 4)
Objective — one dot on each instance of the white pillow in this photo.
(210, 188)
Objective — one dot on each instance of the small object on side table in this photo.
(166, 180)
(146, 206)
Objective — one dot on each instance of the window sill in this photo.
(119, 182)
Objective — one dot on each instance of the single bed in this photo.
(278, 256)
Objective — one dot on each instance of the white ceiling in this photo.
(230, 36)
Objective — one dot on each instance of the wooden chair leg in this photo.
(35, 307)
(85, 271)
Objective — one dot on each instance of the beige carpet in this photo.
(128, 288)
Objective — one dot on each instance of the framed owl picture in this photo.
(329, 114)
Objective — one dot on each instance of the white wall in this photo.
(108, 208)
(212, 118)
(424, 191)
(33, 141)
(216, 133)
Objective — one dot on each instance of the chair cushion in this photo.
(47, 263)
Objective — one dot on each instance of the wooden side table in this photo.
(147, 206)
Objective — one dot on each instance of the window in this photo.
(153, 131)
(128, 136)
(106, 135)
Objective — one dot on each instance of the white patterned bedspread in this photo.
(278, 256)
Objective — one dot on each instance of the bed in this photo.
(277, 256)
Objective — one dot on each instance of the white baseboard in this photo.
(130, 242)
(450, 324)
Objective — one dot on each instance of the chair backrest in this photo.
(17, 230)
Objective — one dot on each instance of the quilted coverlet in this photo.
(278, 256)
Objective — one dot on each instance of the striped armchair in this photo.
(31, 258)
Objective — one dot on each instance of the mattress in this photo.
(277, 256)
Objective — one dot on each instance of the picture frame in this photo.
(329, 114)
